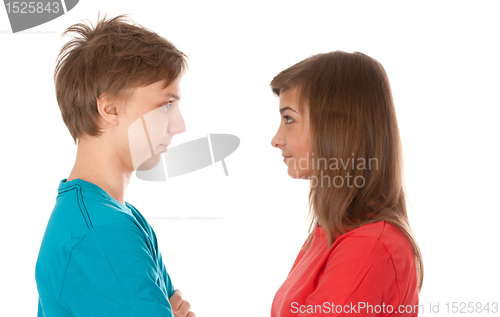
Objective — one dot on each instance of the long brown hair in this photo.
(353, 124)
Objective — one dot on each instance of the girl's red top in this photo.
(368, 271)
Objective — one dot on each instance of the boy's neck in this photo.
(99, 165)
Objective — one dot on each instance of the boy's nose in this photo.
(177, 125)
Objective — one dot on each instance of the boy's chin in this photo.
(150, 163)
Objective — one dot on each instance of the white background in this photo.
(443, 62)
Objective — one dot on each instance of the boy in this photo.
(99, 256)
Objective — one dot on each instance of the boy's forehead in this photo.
(158, 89)
(172, 90)
(171, 93)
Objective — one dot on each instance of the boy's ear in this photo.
(107, 106)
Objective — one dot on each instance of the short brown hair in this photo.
(111, 57)
(352, 115)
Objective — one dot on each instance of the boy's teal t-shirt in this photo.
(99, 258)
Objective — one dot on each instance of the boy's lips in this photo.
(163, 147)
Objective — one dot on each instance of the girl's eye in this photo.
(288, 119)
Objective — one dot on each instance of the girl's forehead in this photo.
(291, 99)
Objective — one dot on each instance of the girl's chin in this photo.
(298, 174)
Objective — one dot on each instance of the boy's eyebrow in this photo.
(286, 108)
(169, 94)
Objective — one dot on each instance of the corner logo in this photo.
(24, 15)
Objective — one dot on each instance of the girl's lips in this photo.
(286, 158)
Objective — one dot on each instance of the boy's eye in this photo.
(167, 105)
(288, 119)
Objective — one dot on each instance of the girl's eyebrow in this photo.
(286, 108)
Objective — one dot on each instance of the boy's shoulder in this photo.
(89, 228)
(83, 205)
(83, 209)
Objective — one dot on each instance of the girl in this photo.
(339, 130)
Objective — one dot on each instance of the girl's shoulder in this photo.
(389, 235)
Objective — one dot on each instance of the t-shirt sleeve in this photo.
(359, 270)
(112, 271)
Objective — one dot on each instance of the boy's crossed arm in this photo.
(180, 307)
